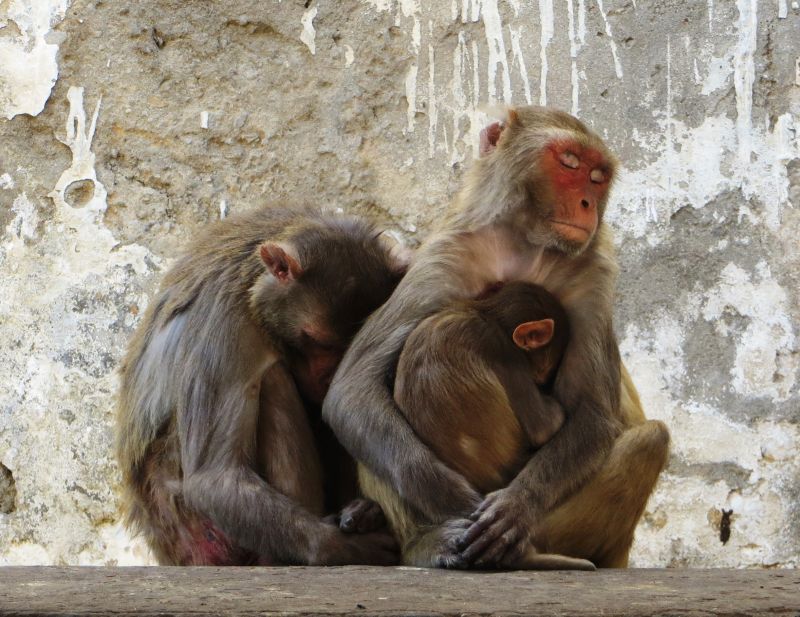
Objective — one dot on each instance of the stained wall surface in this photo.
(126, 126)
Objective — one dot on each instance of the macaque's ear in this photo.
(489, 137)
(279, 261)
(491, 134)
(512, 117)
(534, 334)
(399, 254)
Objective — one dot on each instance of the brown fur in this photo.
(499, 230)
(219, 437)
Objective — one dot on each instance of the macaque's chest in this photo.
(497, 258)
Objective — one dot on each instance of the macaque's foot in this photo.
(374, 548)
(361, 516)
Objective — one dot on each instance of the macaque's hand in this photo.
(361, 516)
(374, 548)
(502, 531)
(446, 553)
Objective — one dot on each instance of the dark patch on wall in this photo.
(8, 491)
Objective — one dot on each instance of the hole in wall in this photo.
(79, 193)
(8, 491)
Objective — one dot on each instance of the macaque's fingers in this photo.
(484, 542)
(361, 516)
(496, 551)
(487, 503)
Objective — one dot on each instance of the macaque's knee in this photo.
(644, 449)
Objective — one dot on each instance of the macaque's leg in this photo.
(422, 545)
(598, 522)
(287, 453)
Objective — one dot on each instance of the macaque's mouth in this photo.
(571, 231)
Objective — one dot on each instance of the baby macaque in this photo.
(468, 381)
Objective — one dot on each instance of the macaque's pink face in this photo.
(579, 178)
(322, 353)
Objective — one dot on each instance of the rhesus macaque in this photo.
(531, 210)
(468, 381)
(224, 456)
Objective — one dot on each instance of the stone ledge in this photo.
(366, 591)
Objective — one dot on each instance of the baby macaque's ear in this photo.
(280, 262)
(399, 254)
(534, 334)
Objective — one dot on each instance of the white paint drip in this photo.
(493, 28)
(28, 63)
(466, 95)
(411, 96)
(433, 112)
(79, 140)
(470, 10)
(349, 55)
(574, 47)
(223, 209)
(308, 34)
(670, 135)
(582, 21)
(744, 75)
(710, 4)
(783, 9)
(617, 64)
(548, 29)
(516, 50)
(411, 8)
(203, 119)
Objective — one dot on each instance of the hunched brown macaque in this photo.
(224, 456)
(531, 209)
(469, 377)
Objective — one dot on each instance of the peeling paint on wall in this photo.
(68, 286)
(308, 35)
(28, 65)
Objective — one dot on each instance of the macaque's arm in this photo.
(360, 407)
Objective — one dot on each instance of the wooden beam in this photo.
(365, 591)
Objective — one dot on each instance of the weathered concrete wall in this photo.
(126, 126)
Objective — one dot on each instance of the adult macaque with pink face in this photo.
(531, 210)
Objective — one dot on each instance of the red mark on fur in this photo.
(490, 290)
(207, 545)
